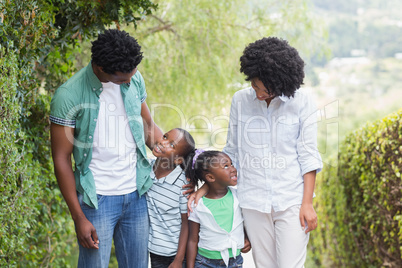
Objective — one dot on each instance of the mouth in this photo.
(233, 178)
(157, 149)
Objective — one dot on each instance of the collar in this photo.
(282, 98)
(96, 84)
(94, 81)
(170, 178)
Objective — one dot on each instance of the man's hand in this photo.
(86, 234)
(308, 217)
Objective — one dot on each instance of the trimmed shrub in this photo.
(359, 202)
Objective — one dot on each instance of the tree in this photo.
(191, 56)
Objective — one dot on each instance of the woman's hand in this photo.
(308, 217)
(247, 245)
(190, 189)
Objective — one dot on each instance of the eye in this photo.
(226, 167)
(172, 145)
(164, 137)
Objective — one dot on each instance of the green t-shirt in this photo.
(222, 210)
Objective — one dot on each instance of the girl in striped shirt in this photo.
(167, 205)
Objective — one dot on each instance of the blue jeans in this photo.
(123, 218)
(202, 262)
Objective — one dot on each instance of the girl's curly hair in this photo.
(275, 63)
(116, 51)
(202, 165)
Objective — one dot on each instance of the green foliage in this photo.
(82, 20)
(85, 18)
(32, 215)
(191, 56)
(38, 39)
(360, 200)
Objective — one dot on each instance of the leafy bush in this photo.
(33, 215)
(360, 201)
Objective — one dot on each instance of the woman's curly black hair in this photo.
(116, 51)
(203, 163)
(275, 63)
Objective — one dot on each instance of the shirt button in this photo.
(136, 96)
(90, 137)
(95, 119)
(101, 89)
(94, 89)
(85, 154)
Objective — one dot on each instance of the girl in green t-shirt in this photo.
(216, 232)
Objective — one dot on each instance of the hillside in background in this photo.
(363, 27)
(359, 81)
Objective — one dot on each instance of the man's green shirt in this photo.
(76, 104)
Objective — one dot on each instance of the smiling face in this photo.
(260, 90)
(171, 146)
(222, 171)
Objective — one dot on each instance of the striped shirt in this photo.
(166, 203)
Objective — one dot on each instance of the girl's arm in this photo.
(192, 244)
(181, 249)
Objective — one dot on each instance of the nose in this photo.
(234, 169)
(262, 93)
(164, 142)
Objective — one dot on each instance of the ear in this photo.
(209, 177)
(178, 160)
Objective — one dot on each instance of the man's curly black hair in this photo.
(116, 51)
(275, 63)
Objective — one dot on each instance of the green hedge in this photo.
(34, 220)
(359, 200)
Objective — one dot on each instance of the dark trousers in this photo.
(158, 261)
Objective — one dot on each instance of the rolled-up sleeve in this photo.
(308, 154)
(62, 108)
(142, 90)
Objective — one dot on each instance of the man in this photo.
(101, 117)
